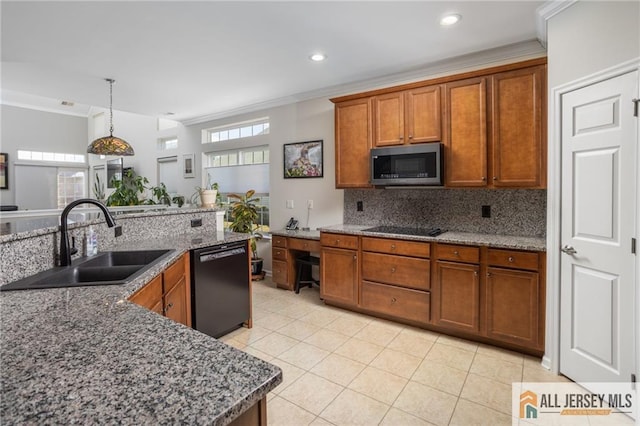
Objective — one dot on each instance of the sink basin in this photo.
(106, 268)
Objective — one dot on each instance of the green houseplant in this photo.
(128, 191)
(244, 217)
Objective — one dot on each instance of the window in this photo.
(238, 157)
(71, 185)
(50, 156)
(167, 143)
(240, 130)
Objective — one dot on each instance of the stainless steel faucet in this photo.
(65, 251)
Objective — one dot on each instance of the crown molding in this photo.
(515, 52)
(546, 12)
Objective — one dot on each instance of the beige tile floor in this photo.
(344, 368)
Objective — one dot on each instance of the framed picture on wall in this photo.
(303, 159)
(4, 170)
(189, 165)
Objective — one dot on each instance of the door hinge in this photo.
(633, 245)
(635, 106)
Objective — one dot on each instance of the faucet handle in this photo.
(73, 249)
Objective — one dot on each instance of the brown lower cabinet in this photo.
(476, 292)
(169, 293)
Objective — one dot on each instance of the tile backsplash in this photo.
(513, 211)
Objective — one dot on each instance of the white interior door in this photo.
(599, 178)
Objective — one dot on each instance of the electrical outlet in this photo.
(118, 231)
(196, 222)
(359, 206)
(309, 204)
(289, 204)
(486, 211)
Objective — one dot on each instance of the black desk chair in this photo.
(304, 275)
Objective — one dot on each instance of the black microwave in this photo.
(407, 165)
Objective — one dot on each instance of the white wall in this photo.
(33, 130)
(586, 38)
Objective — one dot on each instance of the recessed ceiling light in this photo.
(318, 57)
(450, 19)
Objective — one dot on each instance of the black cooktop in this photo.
(403, 230)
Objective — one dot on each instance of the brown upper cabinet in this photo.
(494, 130)
(411, 116)
(491, 122)
(353, 143)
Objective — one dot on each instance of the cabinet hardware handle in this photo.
(484, 178)
(393, 269)
(410, 136)
(401, 137)
(488, 274)
(510, 259)
(456, 253)
(393, 246)
(337, 241)
(355, 257)
(495, 178)
(394, 300)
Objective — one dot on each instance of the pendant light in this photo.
(110, 145)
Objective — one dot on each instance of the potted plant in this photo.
(244, 214)
(128, 191)
(208, 195)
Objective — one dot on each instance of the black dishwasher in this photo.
(220, 288)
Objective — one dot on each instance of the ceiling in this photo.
(210, 58)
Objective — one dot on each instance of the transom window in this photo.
(50, 156)
(167, 143)
(239, 157)
(240, 130)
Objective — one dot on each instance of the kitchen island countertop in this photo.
(84, 354)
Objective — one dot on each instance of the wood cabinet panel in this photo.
(398, 302)
(339, 275)
(353, 142)
(388, 119)
(513, 259)
(398, 270)
(303, 244)
(423, 116)
(176, 303)
(328, 239)
(456, 291)
(279, 253)
(279, 272)
(513, 306)
(399, 247)
(172, 275)
(149, 295)
(465, 139)
(457, 253)
(518, 154)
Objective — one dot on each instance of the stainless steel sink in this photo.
(106, 268)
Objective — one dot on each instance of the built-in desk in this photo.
(286, 246)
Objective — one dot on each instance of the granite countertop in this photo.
(70, 355)
(466, 238)
(298, 233)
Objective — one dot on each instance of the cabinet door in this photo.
(388, 119)
(279, 272)
(353, 143)
(456, 296)
(150, 296)
(339, 275)
(466, 133)
(518, 158)
(513, 306)
(175, 303)
(422, 115)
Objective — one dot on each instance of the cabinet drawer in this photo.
(400, 247)
(279, 272)
(173, 274)
(399, 270)
(339, 240)
(278, 241)
(304, 244)
(514, 259)
(150, 295)
(457, 253)
(395, 301)
(279, 253)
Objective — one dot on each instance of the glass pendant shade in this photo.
(110, 145)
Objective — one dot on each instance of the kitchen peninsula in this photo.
(74, 354)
